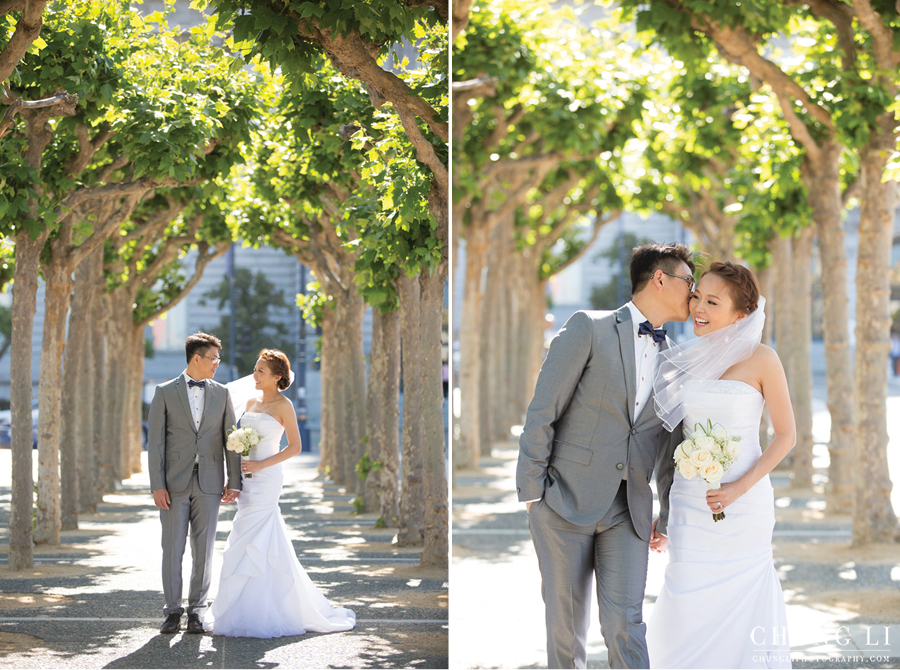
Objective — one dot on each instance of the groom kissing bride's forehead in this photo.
(587, 454)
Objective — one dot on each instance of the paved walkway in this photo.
(96, 601)
(843, 604)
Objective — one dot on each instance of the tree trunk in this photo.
(58, 288)
(72, 402)
(390, 414)
(490, 325)
(822, 180)
(498, 308)
(84, 301)
(24, 306)
(470, 349)
(105, 472)
(412, 498)
(327, 367)
(375, 438)
(118, 329)
(801, 338)
(135, 378)
(783, 297)
(874, 519)
(350, 312)
(435, 551)
(534, 297)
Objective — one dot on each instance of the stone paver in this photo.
(106, 575)
(842, 612)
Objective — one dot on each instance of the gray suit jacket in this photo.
(579, 434)
(173, 441)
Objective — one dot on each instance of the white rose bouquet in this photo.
(709, 454)
(242, 440)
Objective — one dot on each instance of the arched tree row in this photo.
(760, 158)
(147, 164)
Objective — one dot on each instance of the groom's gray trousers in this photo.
(569, 556)
(199, 511)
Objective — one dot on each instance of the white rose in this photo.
(683, 450)
(732, 448)
(254, 440)
(720, 433)
(704, 442)
(712, 472)
(687, 469)
(701, 458)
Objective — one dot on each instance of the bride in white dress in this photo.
(721, 605)
(264, 592)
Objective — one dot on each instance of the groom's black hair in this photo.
(198, 343)
(648, 258)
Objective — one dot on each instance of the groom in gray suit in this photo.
(586, 457)
(190, 419)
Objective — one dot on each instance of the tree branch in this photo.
(852, 191)
(203, 259)
(482, 87)
(7, 6)
(598, 224)
(440, 6)
(28, 28)
(62, 104)
(118, 163)
(425, 152)
(798, 129)
(736, 45)
(882, 36)
(355, 58)
(460, 17)
(841, 17)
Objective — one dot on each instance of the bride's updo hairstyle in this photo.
(741, 283)
(279, 365)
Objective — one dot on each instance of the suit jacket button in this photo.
(619, 466)
(518, 490)
(634, 431)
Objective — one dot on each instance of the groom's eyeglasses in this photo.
(214, 359)
(690, 281)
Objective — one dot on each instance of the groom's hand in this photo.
(229, 496)
(657, 540)
(161, 498)
(528, 507)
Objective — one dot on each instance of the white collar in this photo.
(636, 317)
(188, 378)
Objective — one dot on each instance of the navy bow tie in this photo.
(646, 328)
(192, 384)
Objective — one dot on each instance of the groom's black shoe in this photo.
(194, 625)
(172, 624)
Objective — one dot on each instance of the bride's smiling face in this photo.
(711, 305)
(263, 376)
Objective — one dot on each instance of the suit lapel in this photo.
(207, 401)
(181, 387)
(626, 347)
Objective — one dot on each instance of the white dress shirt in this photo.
(645, 360)
(196, 396)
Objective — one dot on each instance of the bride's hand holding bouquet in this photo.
(241, 441)
(709, 453)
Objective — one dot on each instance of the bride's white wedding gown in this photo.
(264, 592)
(721, 605)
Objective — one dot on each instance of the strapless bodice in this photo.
(734, 405)
(269, 428)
